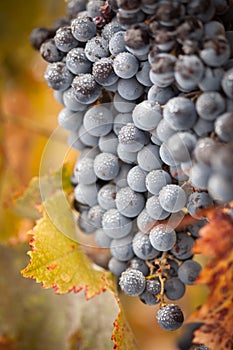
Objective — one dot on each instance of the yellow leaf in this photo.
(57, 261)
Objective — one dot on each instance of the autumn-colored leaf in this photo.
(122, 335)
(57, 261)
(6, 343)
(217, 314)
(39, 187)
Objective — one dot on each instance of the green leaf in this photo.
(57, 261)
(41, 188)
(122, 335)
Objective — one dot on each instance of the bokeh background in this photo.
(30, 317)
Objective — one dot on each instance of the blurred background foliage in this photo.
(30, 317)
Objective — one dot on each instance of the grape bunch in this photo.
(147, 94)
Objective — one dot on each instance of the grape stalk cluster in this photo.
(147, 94)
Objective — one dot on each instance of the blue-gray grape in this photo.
(132, 282)
(189, 271)
(162, 237)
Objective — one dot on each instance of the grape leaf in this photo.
(217, 313)
(122, 335)
(39, 187)
(57, 317)
(58, 261)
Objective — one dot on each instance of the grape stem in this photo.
(162, 263)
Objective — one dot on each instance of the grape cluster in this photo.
(147, 90)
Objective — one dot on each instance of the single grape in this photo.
(182, 250)
(149, 298)
(160, 95)
(172, 198)
(96, 48)
(142, 247)
(129, 202)
(86, 138)
(144, 221)
(203, 127)
(213, 28)
(189, 71)
(116, 266)
(136, 179)
(84, 224)
(132, 282)
(170, 317)
(86, 194)
(137, 41)
(70, 120)
(125, 65)
(106, 166)
(98, 120)
(210, 105)
(77, 62)
(156, 180)
(95, 215)
(71, 103)
(83, 28)
(85, 88)
(162, 69)
(204, 149)
(115, 225)
(49, 51)
(220, 187)
(126, 156)
(64, 39)
(121, 248)
(216, 51)
(84, 171)
(146, 115)
(174, 288)
(39, 35)
(139, 264)
(166, 155)
(224, 127)
(164, 131)
(197, 201)
(180, 113)
(103, 72)
(130, 89)
(199, 175)
(108, 143)
(148, 158)
(107, 196)
(122, 105)
(103, 240)
(189, 271)
(181, 146)
(155, 210)
(94, 8)
(162, 237)
(143, 74)
(57, 76)
(74, 141)
(117, 43)
(131, 138)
